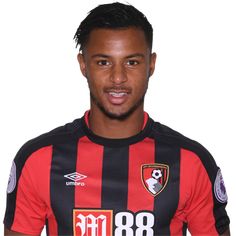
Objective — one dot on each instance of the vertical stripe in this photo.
(62, 196)
(199, 203)
(47, 229)
(138, 197)
(89, 163)
(52, 225)
(115, 178)
(166, 202)
(45, 172)
(184, 231)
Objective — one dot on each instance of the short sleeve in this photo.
(25, 211)
(205, 208)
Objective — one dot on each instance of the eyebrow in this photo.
(135, 55)
(100, 55)
(129, 56)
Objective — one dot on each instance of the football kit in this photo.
(157, 182)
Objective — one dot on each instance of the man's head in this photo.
(113, 16)
(116, 58)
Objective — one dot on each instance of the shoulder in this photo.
(58, 135)
(165, 134)
(192, 148)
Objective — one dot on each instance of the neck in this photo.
(107, 127)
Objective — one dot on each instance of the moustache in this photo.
(118, 89)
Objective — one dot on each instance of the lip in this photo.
(117, 97)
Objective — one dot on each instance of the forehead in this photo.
(118, 41)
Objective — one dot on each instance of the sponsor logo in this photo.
(96, 222)
(76, 179)
(92, 222)
(12, 179)
(219, 188)
(154, 177)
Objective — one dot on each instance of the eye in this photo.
(103, 63)
(132, 62)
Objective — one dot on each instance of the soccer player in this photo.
(115, 171)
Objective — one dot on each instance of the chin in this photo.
(118, 113)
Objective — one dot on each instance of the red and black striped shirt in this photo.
(157, 182)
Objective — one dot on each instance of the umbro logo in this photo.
(75, 176)
(76, 179)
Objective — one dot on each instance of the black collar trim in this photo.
(118, 142)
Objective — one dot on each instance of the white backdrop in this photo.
(192, 90)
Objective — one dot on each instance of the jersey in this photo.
(157, 182)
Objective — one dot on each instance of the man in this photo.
(115, 171)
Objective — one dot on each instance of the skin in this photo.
(116, 61)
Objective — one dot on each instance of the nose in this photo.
(118, 74)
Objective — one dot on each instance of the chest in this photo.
(133, 186)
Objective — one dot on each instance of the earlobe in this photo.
(82, 64)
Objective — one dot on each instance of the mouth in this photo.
(117, 97)
(117, 94)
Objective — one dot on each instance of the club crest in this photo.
(155, 177)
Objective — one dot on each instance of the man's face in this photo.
(117, 65)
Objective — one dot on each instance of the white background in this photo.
(192, 90)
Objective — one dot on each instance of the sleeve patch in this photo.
(219, 188)
(12, 179)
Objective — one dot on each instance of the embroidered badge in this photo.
(219, 188)
(155, 177)
(12, 179)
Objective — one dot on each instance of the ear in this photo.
(152, 63)
(82, 64)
